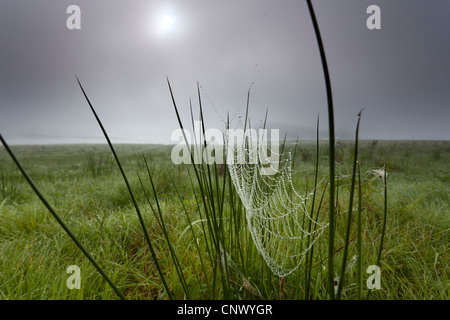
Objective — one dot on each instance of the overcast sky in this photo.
(124, 50)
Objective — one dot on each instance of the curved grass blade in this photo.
(141, 220)
(162, 224)
(61, 223)
(331, 226)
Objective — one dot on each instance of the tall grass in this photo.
(331, 151)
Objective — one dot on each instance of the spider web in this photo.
(276, 213)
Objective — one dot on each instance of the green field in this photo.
(84, 186)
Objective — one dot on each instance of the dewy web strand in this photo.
(275, 211)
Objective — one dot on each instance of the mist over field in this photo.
(123, 52)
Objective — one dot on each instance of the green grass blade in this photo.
(331, 226)
(316, 175)
(164, 230)
(359, 240)
(61, 223)
(383, 231)
(211, 218)
(350, 210)
(141, 220)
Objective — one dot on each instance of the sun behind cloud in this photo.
(164, 24)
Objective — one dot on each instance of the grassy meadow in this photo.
(199, 234)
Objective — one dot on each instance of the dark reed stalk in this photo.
(141, 220)
(350, 210)
(331, 151)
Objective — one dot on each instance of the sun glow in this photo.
(164, 25)
(166, 22)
